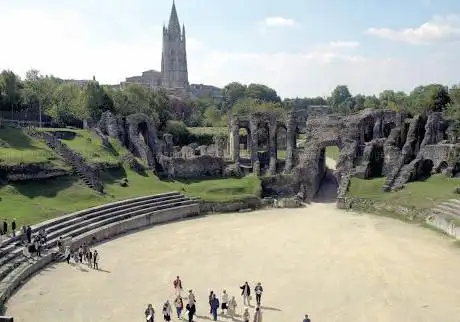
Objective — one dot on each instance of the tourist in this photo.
(89, 258)
(232, 307)
(214, 306)
(224, 299)
(80, 254)
(211, 296)
(307, 319)
(179, 306)
(258, 290)
(5, 227)
(24, 233)
(150, 313)
(85, 251)
(167, 311)
(246, 293)
(13, 227)
(29, 234)
(177, 286)
(258, 315)
(96, 260)
(60, 245)
(38, 247)
(191, 298)
(68, 254)
(191, 312)
(246, 316)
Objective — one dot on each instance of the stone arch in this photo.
(142, 137)
(387, 127)
(442, 166)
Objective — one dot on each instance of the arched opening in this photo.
(281, 139)
(368, 132)
(376, 160)
(442, 167)
(263, 136)
(423, 170)
(144, 132)
(387, 129)
(245, 142)
(328, 184)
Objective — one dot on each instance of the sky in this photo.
(301, 48)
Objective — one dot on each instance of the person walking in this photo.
(307, 319)
(191, 298)
(179, 304)
(13, 227)
(177, 286)
(90, 258)
(258, 290)
(258, 315)
(96, 260)
(191, 312)
(246, 316)
(29, 234)
(149, 313)
(167, 311)
(80, 254)
(232, 307)
(246, 293)
(5, 227)
(214, 306)
(211, 294)
(224, 299)
(24, 233)
(68, 254)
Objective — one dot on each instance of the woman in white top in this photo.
(167, 311)
(224, 300)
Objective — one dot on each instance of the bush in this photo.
(182, 136)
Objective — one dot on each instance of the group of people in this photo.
(4, 227)
(33, 244)
(82, 254)
(226, 304)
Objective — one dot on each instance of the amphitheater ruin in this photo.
(347, 266)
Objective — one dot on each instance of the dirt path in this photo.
(333, 265)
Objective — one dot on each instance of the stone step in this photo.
(123, 216)
(105, 207)
(54, 232)
(446, 210)
(454, 202)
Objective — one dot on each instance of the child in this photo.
(246, 316)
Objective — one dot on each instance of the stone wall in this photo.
(193, 167)
(279, 186)
(36, 171)
(252, 203)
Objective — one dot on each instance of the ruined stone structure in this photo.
(375, 143)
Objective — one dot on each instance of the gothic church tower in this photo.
(174, 57)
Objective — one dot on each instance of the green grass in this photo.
(34, 201)
(332, 152)
(417, 195)
(16, 147)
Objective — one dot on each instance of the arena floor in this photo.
(318, 260)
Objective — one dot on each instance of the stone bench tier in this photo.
(163, 208)
(52, 222)
(76, 223)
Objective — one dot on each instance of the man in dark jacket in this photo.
(5, 227)
(13, 227)
(214, 306)
(246, 293)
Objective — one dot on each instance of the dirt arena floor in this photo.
(333, 265)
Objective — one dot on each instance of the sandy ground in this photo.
(333, 265)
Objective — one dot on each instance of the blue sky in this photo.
(299, 47)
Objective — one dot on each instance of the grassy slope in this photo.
(18, 148)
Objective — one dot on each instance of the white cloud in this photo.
(76, 51)
(278, 22)
(344, 44)
(439, 29)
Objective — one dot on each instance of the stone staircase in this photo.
(446, 217)
(89, 226)
(88, 174)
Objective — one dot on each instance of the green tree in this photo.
(429, 98)
(262, 93)
(96, 100)
(371, 102)
(341, 99)
(10, 89)
(232, 93)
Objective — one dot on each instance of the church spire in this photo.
(174, 25)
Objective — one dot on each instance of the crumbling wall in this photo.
(145, 150)
(195, 167)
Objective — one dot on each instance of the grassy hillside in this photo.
(18, 148)
(419, 195)
(34, 201)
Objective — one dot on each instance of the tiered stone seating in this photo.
(446, 217)
(90, 226)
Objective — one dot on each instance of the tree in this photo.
(262, 93)
(341, 99)
(232, 93)
(96, 100)
(67, 108)
(429, 98)
(371, 102)
(10, 87)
